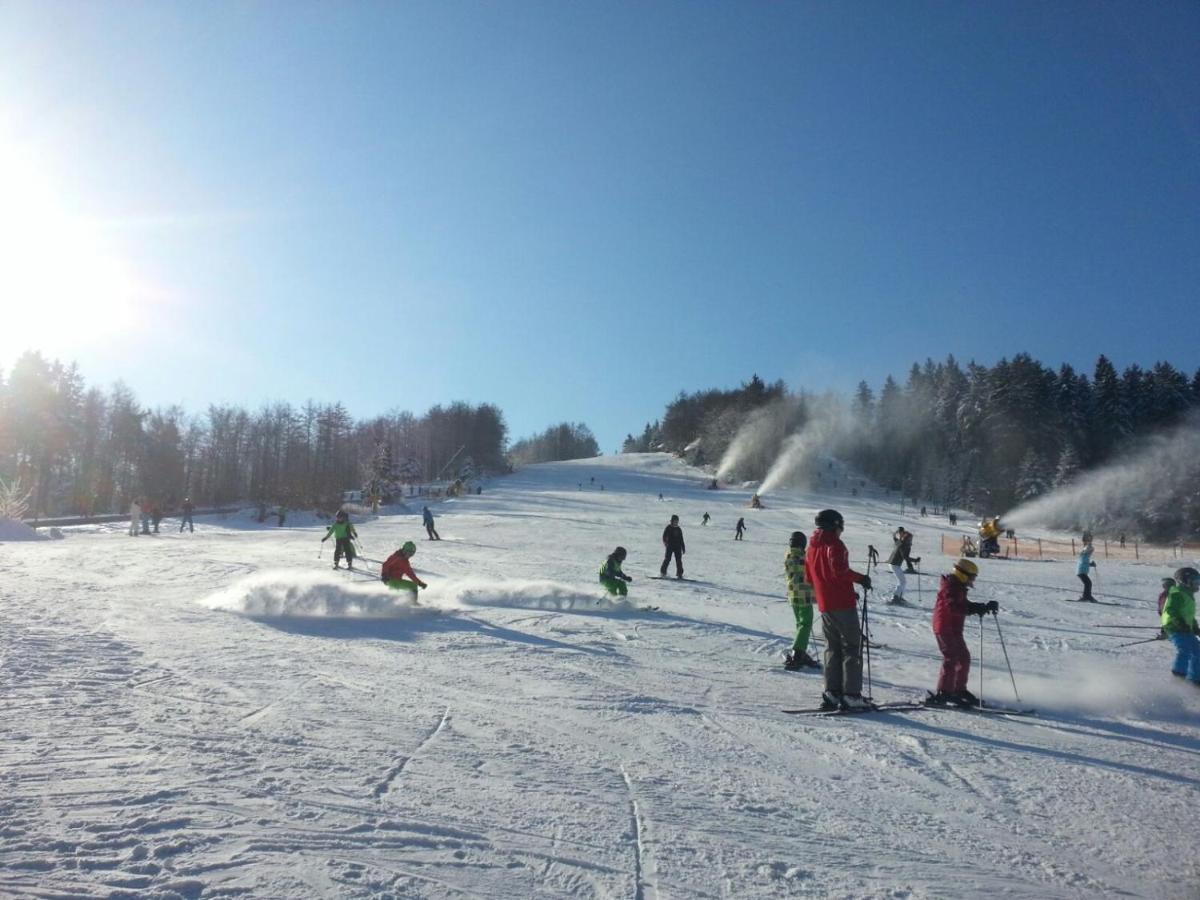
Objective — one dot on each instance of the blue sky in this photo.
(576, 210)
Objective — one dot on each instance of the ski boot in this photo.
(792, 662)
(941, 698)
(897, 600)
(830, 701)
(964, 698)
(809, 663)
(855, 702)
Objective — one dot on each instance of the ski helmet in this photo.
(620, 553)
(799, 541)
(830, 518)
(409, 548)
(967, 569)
(1187, 577)
(341, 514)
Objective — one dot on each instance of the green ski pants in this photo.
(615, 586)
(804, 620)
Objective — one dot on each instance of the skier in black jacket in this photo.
(673, 542)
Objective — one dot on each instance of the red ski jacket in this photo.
(950, 610)
(396, 565)
(827, 565)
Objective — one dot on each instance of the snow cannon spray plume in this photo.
(827, 429)
(1140, 484)
(756, 442)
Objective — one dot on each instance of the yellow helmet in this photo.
(966, 569)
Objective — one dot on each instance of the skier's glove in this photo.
(629, 578)
(866, 582)
(993, 606)
(1162, 635)
(1093, 565)
(324, 539)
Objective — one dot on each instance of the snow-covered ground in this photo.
(222, 714)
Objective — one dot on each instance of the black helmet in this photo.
(799, 541)
(342, 514)
(830, 518)
(620, 553)
(1187, 577)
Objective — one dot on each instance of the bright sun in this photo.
(61, 288)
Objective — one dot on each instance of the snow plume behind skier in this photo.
(827, 565)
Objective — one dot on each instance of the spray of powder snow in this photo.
(1139, 484)
(312, 595)
(827, 429)
(1096, 688)
(309, 595)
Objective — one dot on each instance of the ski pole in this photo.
(920, 596)
(864, 645)
(996, 619)
(1134, 627)
(1135, 643)
(981, 660)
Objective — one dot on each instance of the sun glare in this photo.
(61, 288)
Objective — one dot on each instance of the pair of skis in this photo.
(904, 706)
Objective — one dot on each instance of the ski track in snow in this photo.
(517, 735)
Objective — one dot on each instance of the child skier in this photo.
(800, 595)
(396, 566)
(1179, 622)
(739, 529)
(344, 537)
(1081, 569)
(611, 575)
(949, 614)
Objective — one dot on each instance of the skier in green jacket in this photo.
(611, 575)
(344, 537)
(1179, 622)
(800, 595)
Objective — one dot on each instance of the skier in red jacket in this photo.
(396, 566)
(949, 614)
(827, 566)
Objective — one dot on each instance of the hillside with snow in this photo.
(222, 714)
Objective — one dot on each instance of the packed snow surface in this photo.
(221, 713)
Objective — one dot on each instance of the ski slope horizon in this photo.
(219, 713)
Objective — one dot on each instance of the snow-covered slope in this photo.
(221, 713)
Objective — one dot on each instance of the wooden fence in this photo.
(1046, 548)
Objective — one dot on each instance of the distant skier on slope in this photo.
(739, 529)
(397, 566)
(611, 575)
(827, 567)
(1179, 622)
(672, 539)
(902, 543)
(186, 519)
(1081, 569)
(800, 596)
(704, 519)
(427, 520)
(949, 615)
(135, 516)
(344, 536)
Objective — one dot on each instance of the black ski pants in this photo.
(678, 554)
